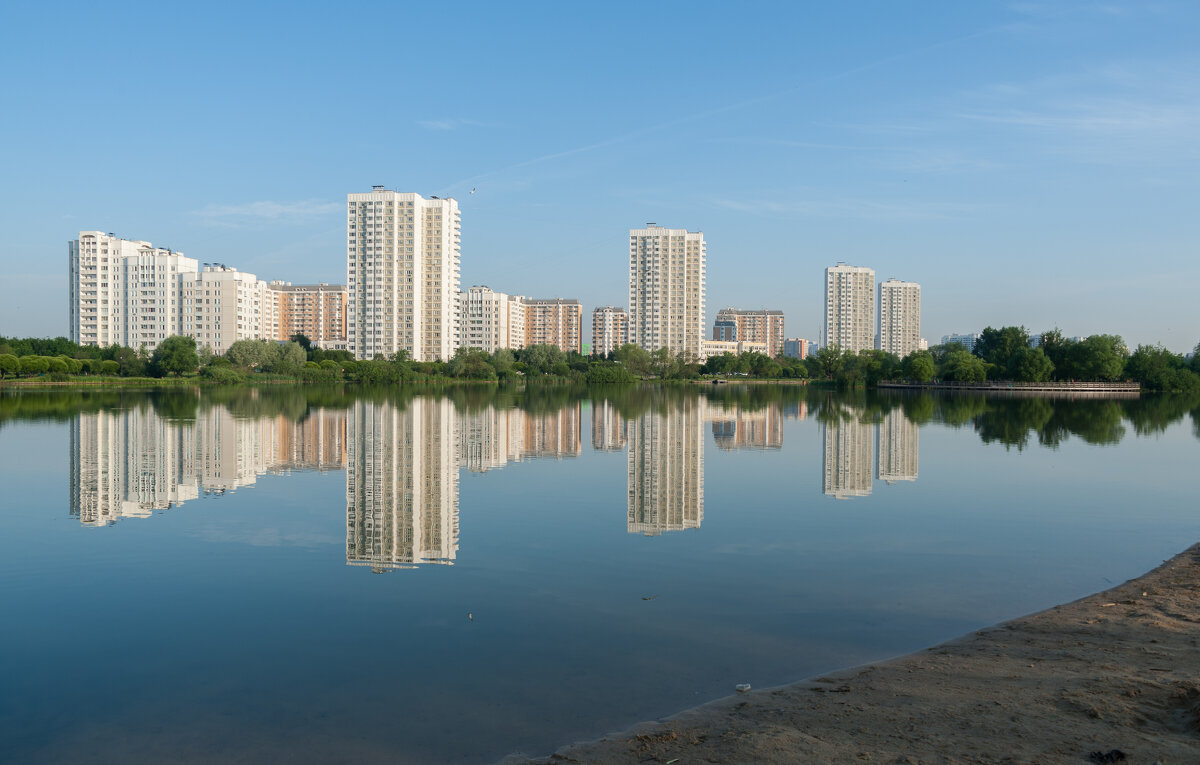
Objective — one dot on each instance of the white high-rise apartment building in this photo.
(899, 317)
(222, 305)
(491, 319)
(402, 273)
(850, 308)
(666, 288)
(124, 292)
(610, 329)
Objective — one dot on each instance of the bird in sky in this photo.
(472, 189)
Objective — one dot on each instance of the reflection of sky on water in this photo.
(231, 623)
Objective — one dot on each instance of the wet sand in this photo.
(1113, 677)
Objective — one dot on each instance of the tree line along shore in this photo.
(1007, 353)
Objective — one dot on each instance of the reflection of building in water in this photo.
(898, 448)
(317, 442)
(737, 429)
(666, 470)
(491, 438)
(402, 484)
(128, 463)
(847, 460)
(125, 464)
(608, 427)
(795, 410)
(553, 434)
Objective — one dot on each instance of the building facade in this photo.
(402, 274)
(755, 326)
(966, 340)
(667, 288)
(610, 329)
(124, 292)
(222, 305)
(899, 317)
(554, 322)
(317, 311)
(850, 308)
(491, 319)
(797, 348)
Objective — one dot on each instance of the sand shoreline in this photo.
(1117, 671)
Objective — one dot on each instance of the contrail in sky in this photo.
(736, 106)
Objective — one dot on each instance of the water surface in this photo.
(319, 575)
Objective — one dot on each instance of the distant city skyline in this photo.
(1026, 163)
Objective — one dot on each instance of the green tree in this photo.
(286, 358)
(663, 363)
(830, 360)
(110, 368)
(502, 362)
(34, 365)
(251, 354)
(1099, 357)
(1030, 365)
(918, 366)
(10, 365)
(960, 365)
(1157, 368)
(174, 356)
(634, 358)
(471, 363)
(129, 362)
(542, 359)
(998, 347)
(1058, 349)
(302, 340)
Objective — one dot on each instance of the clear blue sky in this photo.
(1026, 162)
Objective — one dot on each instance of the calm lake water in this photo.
(319, 575)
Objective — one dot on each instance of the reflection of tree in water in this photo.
(1095, 421)
(1152, 413)
(1012, 422)
(176, 404)
(1008, 421)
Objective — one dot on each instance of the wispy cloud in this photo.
(251, 213)
(450, 124)
(850, 208)
(1101, 116)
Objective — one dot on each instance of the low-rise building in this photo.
(710, 348)
(797, 348)
(765, 327)
(967, 340)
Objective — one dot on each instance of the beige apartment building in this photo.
(850, 308)
(124, 292)
(402, 274)
(222, 305)
(491, 320)
(754, 326)
(317, 311)
(899, 317)
(555, 321)
(667, 288)
(610, 329)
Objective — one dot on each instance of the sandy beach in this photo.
(1113, 677)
